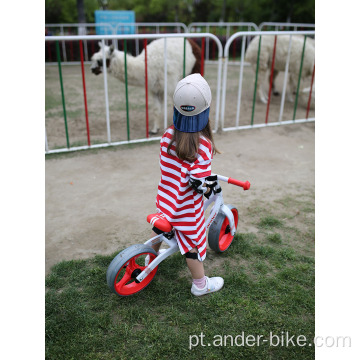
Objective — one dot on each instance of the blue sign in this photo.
(115, 22)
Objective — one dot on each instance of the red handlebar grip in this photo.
(245, 185)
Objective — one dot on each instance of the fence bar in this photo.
(165, 83)
(126, 90)
(283, 24)
(256, 78)
(84, 89)
(106, 93)
(287, 122)
(46, 143)
(97, 146)
(271, 80)
(184, 58)
(240, 79)
(285, 80)
(146, 91)
(311, 86)
(299, 79)
(63, 45)
(202, 55)
(62, 92)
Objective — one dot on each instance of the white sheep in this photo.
(282, 45)
(155, 63)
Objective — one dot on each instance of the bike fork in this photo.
(173, 248)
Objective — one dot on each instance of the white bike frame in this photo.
(173, 246)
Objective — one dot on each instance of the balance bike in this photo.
(135, 267)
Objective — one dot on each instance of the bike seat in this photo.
(159, 221)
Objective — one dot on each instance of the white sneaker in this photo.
(147, 259)
(212, 284)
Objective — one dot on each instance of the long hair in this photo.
(187, 144)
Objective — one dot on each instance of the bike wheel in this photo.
(126, 266)
(220, 237)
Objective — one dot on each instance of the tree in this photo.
(186, 11)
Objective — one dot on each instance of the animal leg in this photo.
(292, 88)
(274, 91)
(156, 106)
(261, 80)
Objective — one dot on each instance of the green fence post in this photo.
(62, 92)
(126, 92)
(299, 79)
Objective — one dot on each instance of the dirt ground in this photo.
(97, 201)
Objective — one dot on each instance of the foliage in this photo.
(187, 11)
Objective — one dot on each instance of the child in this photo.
(186, 151)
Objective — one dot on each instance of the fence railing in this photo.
(263, 34)
(90, 29)
(229, 93)
(223, 30)
(280, 26)
(102, 39)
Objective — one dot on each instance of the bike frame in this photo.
(219, 205)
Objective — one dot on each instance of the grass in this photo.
(269, 288)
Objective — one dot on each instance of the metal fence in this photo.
(71, 55)
(125, 38)
(288, 50)
(223, 30)
(283, 26)
(233, 87)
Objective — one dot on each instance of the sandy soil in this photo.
(97, 202)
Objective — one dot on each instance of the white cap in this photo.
(192, 95)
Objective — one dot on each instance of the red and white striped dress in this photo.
(182, 206)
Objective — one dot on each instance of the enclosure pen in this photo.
(84, 88)
(299, 79)
(146, 91)
(271, 81)
(82, 39)
(261, 34)
(62, 92)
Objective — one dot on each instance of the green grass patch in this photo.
(270, 222)
(274, 238)
(269, 288)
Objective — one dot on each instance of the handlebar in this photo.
(244, 184)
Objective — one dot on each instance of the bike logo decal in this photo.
(187, 108)
(212, 219)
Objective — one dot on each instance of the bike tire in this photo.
(219, 236)
(124, 268)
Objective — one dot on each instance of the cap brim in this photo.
(190, 124)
